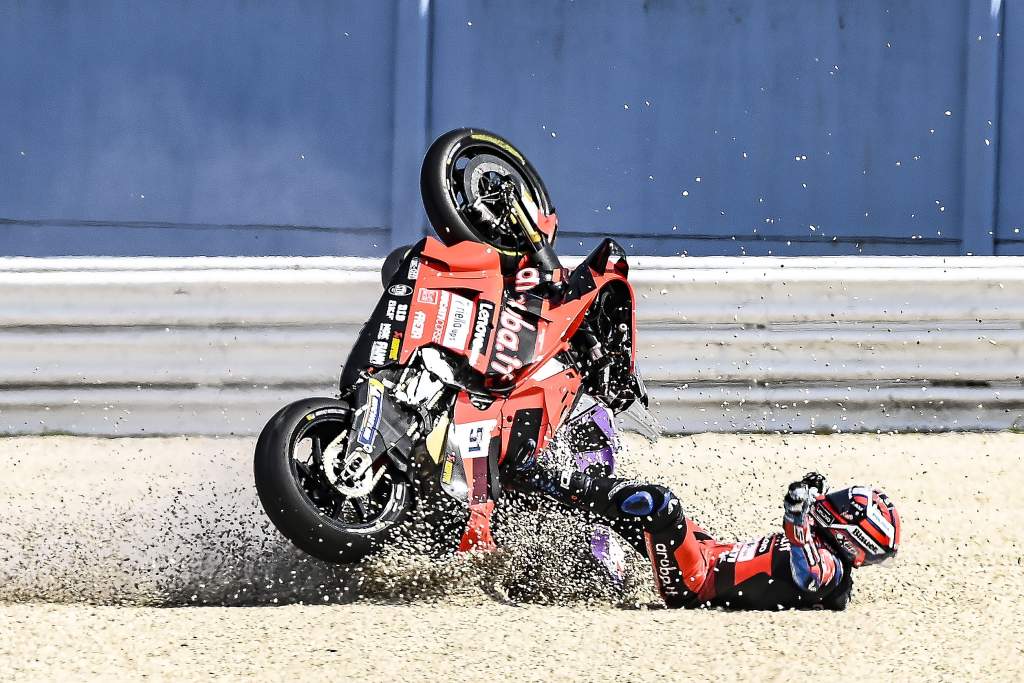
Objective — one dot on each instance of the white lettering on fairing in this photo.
(506, 341)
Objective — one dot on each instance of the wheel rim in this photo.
(354, 513)
(476, 173)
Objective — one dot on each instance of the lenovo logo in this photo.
(481, 326)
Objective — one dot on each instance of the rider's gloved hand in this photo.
(815, 482)
(797, 502)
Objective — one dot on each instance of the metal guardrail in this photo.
(215, 345)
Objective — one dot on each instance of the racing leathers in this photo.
(792, 569)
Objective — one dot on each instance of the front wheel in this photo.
(327, 520)
(460, 180)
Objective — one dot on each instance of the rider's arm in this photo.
(812, 565)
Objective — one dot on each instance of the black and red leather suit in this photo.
(792, 569)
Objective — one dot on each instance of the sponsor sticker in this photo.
(866, 541)
(481, 330)
(844, 540)
(449, 465)
(400, 290)
(419, 319)
(396, 344)
(427, 296)
(384, 331)
(666, 572)
(874, 513)
(741, 552)
(475, 442)
(822, 516)
(506, 341)
(456, 330)
(527, 278)
(371, 416)
(397, 311)
(378, 353)
(474, 437)
(746, 551)
(414, 268)
(442, 316)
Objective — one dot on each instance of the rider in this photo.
(826, 535)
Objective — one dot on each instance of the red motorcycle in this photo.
(482, 348)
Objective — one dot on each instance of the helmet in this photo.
(860, 522)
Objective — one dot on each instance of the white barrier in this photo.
(214, 345)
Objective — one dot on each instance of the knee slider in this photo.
(650, 501)
(669, 511)
(639, 504)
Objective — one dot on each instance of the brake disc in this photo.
(482, 164)
(355, 478)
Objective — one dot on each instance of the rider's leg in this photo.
(649, 517)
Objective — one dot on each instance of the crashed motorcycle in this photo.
(482, 350)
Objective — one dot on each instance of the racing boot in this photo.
(524, 471)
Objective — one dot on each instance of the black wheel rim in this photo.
(306, 458)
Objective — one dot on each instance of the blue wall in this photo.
(272, 127)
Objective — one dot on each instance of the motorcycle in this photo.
(482, 349)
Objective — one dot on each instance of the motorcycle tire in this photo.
(300, 502)
(447, 192)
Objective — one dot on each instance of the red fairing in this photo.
(547, 224)
(456, 289)
(464, 303)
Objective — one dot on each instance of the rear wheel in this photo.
(460, 180)
(332, 519)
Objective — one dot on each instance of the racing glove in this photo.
(816, 482)
(796, 503)
(811, 568)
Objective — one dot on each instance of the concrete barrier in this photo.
(215, 345)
